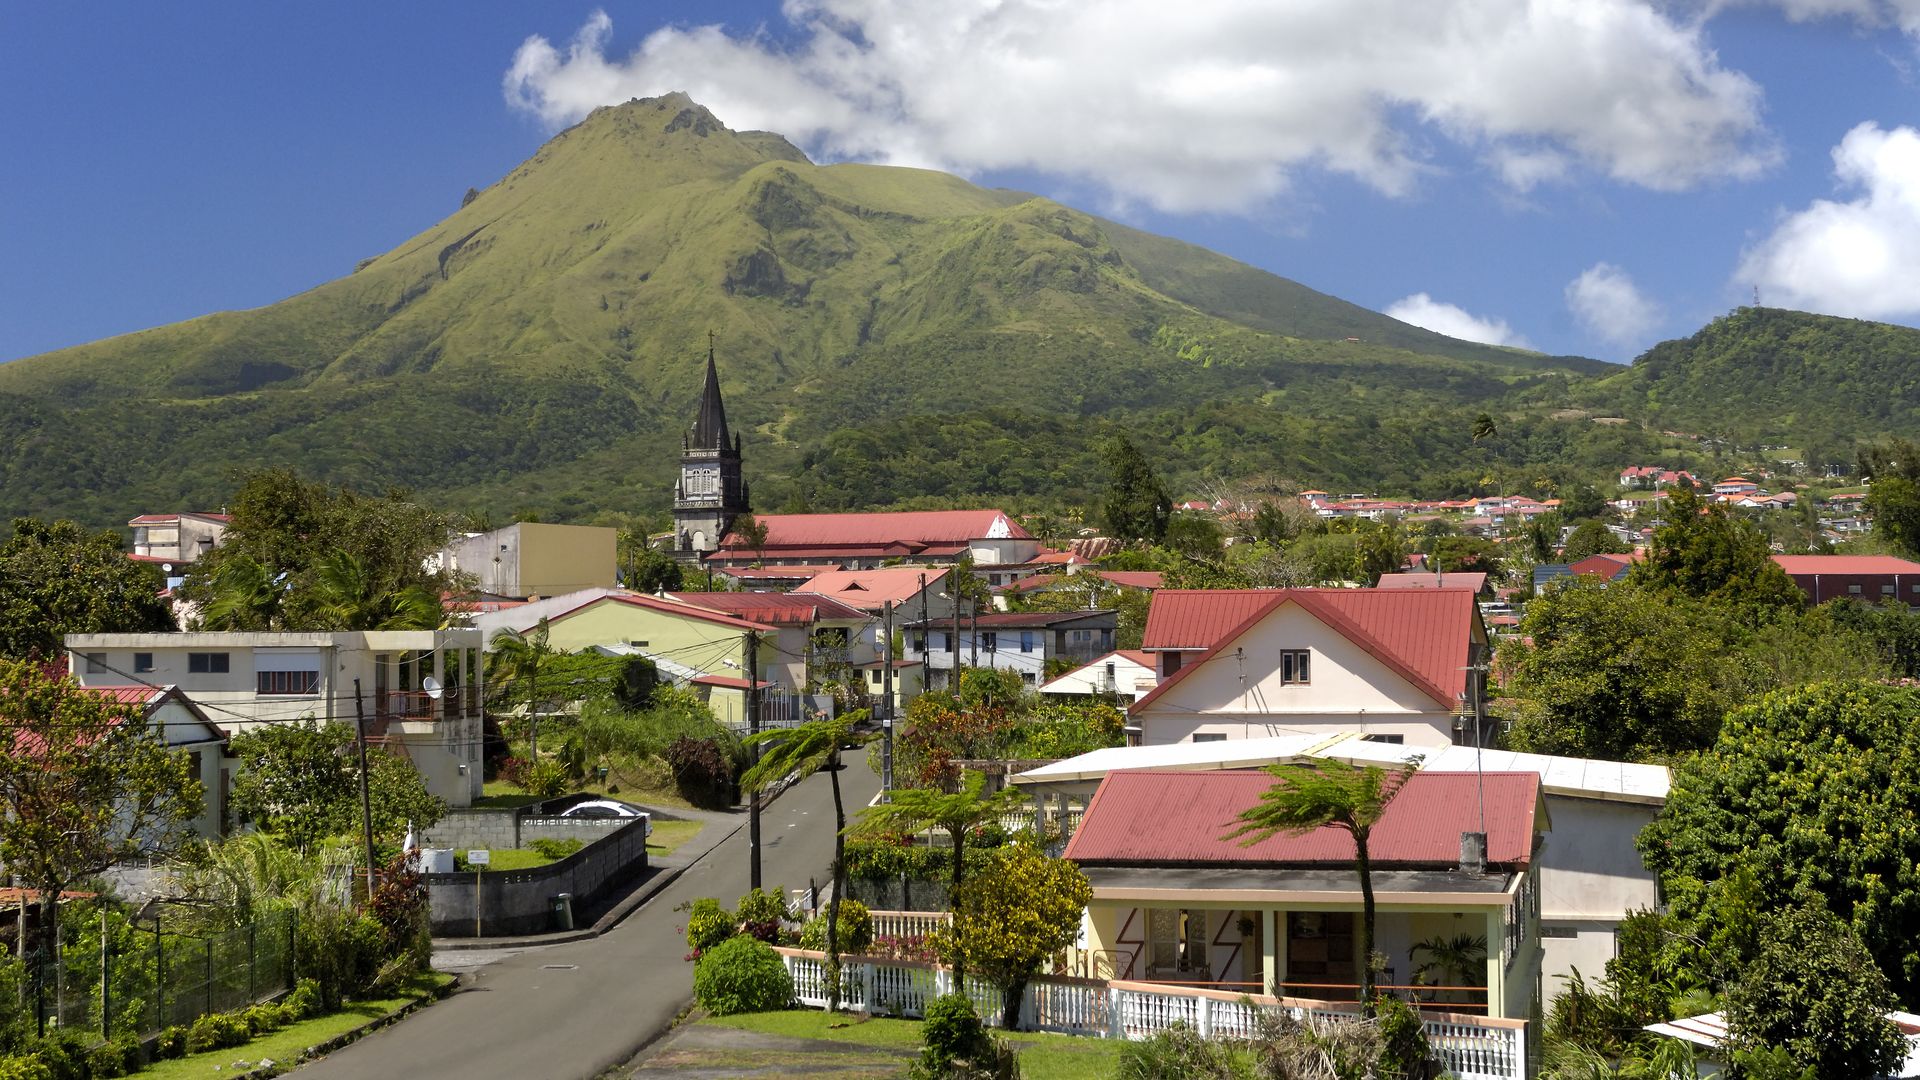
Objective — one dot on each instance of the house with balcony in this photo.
(239, 680)
(1176, 903)
(1400, 665)
(176, 538)
(1023, 642)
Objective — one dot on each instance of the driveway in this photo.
(579, 1009)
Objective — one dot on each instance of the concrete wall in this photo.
(1590, 877)
(520, 901)
(464, 830)
(536, 559)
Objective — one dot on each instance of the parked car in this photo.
(607, 808)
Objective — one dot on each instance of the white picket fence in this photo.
(1470, 1047)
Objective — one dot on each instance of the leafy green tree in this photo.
(955, 813)
(1618, 672)
(1541, 536)
(1008, 919)
(84, 784)
(58, 579)
(345, 594)
(243, 595)
(1329, 792)
(1137, 505)
(1195, 537)
(1582, 502)
(514, 660)
(1382, 549)
(1451, 960)
(1815, 991)
(1474, 554)
(1709, 554)
(1814, 790)
(806, 749)
(301, 782)
(751, 533)
(650, 570)
(1592, 538)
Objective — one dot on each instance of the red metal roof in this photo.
(1423, 634)
(916, 527)
(1459, 579)
(1845, 564)
(729, 681)
(1608, 566)
(128, 695)
(1001, 620)
(869, 589)
(774, 609)
(1143, 817)
(778, 573)
(667, 607)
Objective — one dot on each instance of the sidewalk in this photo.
(661, 872)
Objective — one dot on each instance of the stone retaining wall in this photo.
(510, 902)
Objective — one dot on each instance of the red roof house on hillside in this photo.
(990, 537)
(1248, 663)
(1871, 578)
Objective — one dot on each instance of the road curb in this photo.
(627, 906)
(322, 1049)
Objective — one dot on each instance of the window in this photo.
(941, 641)
(142, 662)
(1176, 940)
(1854, 589)
(1209, 736)
(207, 663)
(288, 682)
(96, 663)
(919, 643)
(1390, 740)
(1026, 641)
(638, 644)
(990, 640)
(1294, 666)
(1886, 590)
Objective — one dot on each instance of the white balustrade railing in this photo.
(907, 924)
(1469, 1047)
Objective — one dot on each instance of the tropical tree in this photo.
(301, 782)
(1137, 505)
(1008, 919)
(1709, 554)
(514, 659)
(1330, 792)
(347, 595)
(244, 596)
(1593, 538)
(84, 784)
(955, 813)
(751, 532)
(1456, 960)
(806, 749)
(58, 578)
(1814, 990)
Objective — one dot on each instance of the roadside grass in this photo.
(669, 835)
(287, 1044)
(1042, 1056)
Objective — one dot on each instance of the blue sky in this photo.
(1579, 176)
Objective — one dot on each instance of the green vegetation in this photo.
(288, 1043)
(1042, 1057)
(667, 836)
(58, 579)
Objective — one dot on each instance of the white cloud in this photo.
(1203, 105)
(1873, 14)
(1610, 307)
(1860, 257)
(1450, 319)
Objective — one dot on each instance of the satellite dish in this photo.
(432, 686)
(166, 568)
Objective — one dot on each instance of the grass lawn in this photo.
(1042, 1056)
(288, 1043)
(669, 835)
(500, 794)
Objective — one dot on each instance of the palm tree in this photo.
(346, 596)
(805, 749)
(954, 812)
(513, 665)
(1329, 792)
(245, 596)
(752, 532)
(1454, 961)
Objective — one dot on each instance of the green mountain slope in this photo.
(540, 346)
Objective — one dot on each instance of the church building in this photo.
(711, 492)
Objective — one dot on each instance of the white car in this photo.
(607, 808)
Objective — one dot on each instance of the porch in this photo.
(1470, 1047)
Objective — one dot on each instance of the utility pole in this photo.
(366, 800)
(753, 728)
(973, 636)
(953, 592)
(886, 688)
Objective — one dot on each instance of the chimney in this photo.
(1473, 853)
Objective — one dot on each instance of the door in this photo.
(1320, 959)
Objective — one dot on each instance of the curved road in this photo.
(583, 1008)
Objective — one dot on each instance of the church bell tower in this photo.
(710, 492)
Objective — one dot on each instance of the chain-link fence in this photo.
(137, 981)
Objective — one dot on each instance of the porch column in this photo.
(445, 705)
(1496, 967)
(1273, 950)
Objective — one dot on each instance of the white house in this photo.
(1023, 642)
(242, 679)
(1123, 673)
(182, 726)
(1397, 664)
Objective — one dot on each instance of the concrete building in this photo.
(1023, 642)
(242, 679)
(176, 538)
(535, 559)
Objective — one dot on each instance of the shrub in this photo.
(342, 950)
(25, 1067)
(856, 929)
(65, 1053)
(303, 1002)
(265, 1017)
(1406, 1055)
(702, 771)
(514, 771)
(762, 913)
(545, 779)
(171, 1042)
(106, 1061)
(1175, 1053)
(708, 924)
(952, 1030)
(216, 1031)
(556, 850)
(741, 975)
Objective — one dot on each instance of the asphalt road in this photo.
(580, 1009)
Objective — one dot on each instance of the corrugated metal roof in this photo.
(1180, 817)
(919, 527)
(1845, 564)
(1424, 634)
(1001, 620)
(127, 695)
(869, 589)
(782, 609)
(665, 607)
(1420, 579)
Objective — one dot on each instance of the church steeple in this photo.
(711, 491)
(710, 426)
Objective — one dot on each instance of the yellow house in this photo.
(693, 637)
